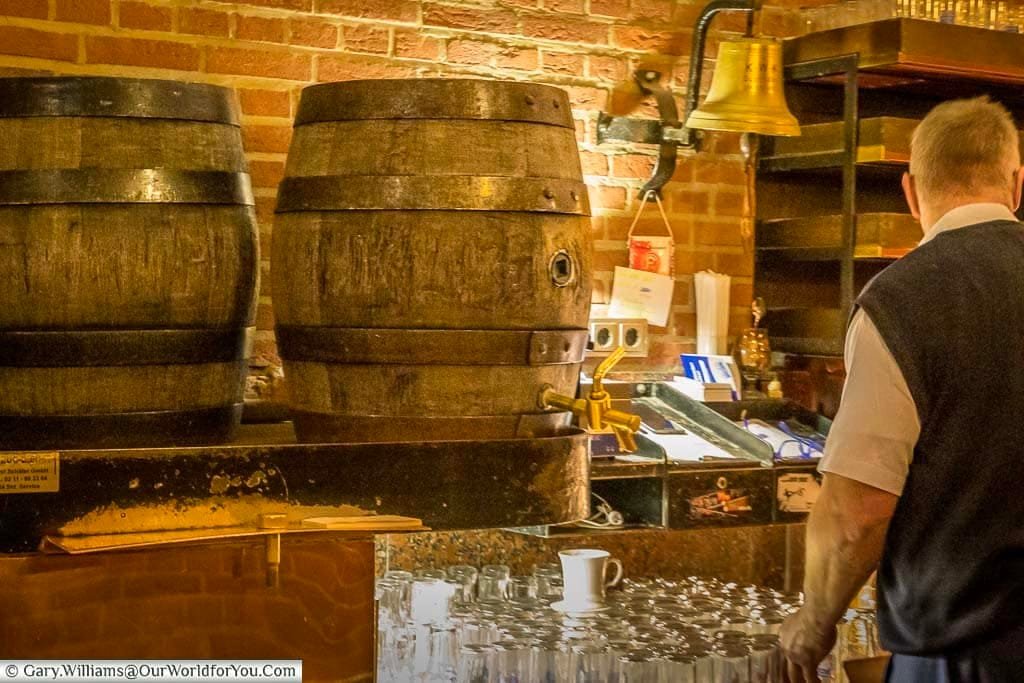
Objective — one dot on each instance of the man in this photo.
(923, 467)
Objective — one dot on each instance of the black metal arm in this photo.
(670, 132)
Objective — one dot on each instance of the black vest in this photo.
(952, 314)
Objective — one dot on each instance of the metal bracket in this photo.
(669, 132)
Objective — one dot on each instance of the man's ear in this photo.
(910, 192)
(1018, 183)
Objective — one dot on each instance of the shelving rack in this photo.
(862, 88)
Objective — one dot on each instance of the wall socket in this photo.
(607, 334)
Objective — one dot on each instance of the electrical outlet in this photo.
(607, 334)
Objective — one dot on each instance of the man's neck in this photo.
(931, 213)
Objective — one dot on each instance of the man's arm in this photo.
(845, 535)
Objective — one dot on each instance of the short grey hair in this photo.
(964, 147)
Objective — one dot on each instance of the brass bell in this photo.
(746, 94)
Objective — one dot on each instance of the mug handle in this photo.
(618, 573)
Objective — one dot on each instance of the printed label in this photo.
(29, 472)
(797, 492)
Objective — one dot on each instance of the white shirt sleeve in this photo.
(873, 436)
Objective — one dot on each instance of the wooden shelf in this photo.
(812, 331)
(879, 236)
(881, 140)
(903, 52)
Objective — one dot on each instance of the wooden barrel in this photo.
(128, 263)
(431, 260)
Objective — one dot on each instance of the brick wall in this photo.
(270, 49)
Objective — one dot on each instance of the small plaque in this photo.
(29, 472)
(797, 492)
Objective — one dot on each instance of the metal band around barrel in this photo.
(431, 347)
(435, 98)
(117, 98)
(433, 193)
(200, 427)
(104, 348)
(124, 186)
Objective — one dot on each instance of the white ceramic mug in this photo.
(584, 574)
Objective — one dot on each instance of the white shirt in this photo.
(873, 437)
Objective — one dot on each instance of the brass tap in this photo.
(597, 406)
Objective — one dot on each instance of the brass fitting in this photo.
(597, 406)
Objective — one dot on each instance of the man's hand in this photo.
(804, 645)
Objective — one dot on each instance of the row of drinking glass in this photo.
(491, 627)
(992, 14)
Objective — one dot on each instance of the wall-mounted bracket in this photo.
(669, 131)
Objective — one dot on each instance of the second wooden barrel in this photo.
(431, 264)
(128, 263)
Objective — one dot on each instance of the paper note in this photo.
(29, 472)
(639, 294)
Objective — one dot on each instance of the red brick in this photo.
(737, 265)
(471, 51)
(142, 16)
(594, 163)
(663, 42)
(587, 98)
(608, 68)
(684, 324)
(394, 10)
(563, 63)
(571, 6)
(261, 29)
(610, 8)
(414, 45)
(719, 171)
(605, 197)
(609, 260)
(718, 234)
(84, 11)
(301, 5)
(160, 54)
(363, 38)
(266, 138)
(348, 67)
(570, 30)
(265, 102)
(687, 200)
(485, 21)
(521, 4)
(693, 262)
(28, 42)
(202, 22)
(229, 60)
(651, 11)
(632, 166)
(266, 174)
(524, 59)
(740, 294)
(313, 32)
(729, 203)
(35, 9)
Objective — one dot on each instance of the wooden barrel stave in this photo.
(128, 263)
(365, 269)
(142, 265)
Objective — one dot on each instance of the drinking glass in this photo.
(467, 575)
(590, 662)
(522, 589)
(730, 664)
(678, 667)
(473, 663)
(431, 574)
(754, 353)
(492, 585)
(543, 666)
(637, 667)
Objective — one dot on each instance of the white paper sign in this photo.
(639, 294)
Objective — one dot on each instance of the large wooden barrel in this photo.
(431, 260)
(128, 263)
